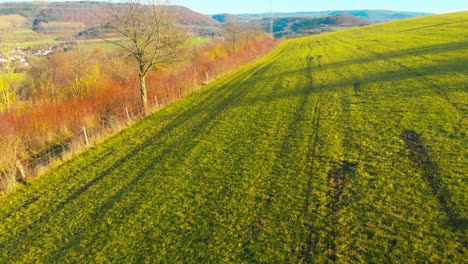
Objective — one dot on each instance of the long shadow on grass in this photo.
(169, 149)
(337, 178)
(434, 26)
(42, 192)
(300, 115)
(410, 71)
(420, 73)
(180, 118)
(236, 162)
(311, 241)
(233, 95)
(430, 172)
(420, 51)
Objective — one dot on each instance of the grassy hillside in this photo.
(346, 147)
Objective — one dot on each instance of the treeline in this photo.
(53, 27)
(88, 88)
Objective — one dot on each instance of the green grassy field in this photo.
(343, 147)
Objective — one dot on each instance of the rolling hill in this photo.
(373, 16)
(296, 26)
(46, 16)
(345, 147)
(226, 18)
(302, 26)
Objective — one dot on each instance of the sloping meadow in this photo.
(345, 147)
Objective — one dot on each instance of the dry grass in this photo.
(8, 169)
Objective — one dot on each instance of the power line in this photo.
(271, 19)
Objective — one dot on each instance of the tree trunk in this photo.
(143, 94)
(235, 45)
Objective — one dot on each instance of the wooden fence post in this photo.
(128, 115)
(86, 136)
(21, 170)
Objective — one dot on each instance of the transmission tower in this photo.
(271, 19)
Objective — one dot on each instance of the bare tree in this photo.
(233, 33)
(149, 34)
(240, 35)
(83, 69)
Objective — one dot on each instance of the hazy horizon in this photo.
(211, 7)
(262, 6)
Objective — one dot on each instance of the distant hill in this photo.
(83, 12)
(226, 18)
(300, 26)
(25, 9)
(378, 16)
(59, 16)
(295, 26)
(346, 20)
(189, 17)
(373, 16)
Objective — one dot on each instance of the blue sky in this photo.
(261, 6)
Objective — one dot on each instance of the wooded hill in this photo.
(374, 16)
(293, 26)
(51, 17)
(296, 26)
